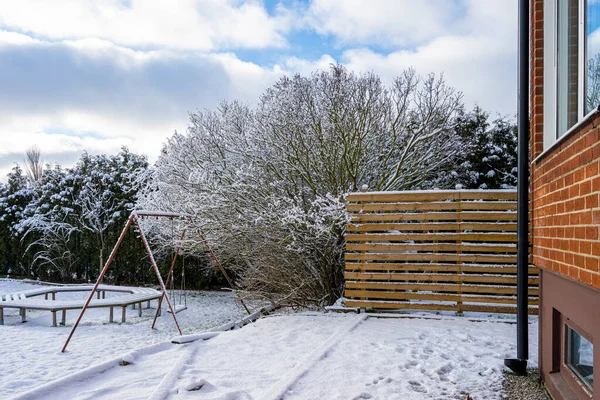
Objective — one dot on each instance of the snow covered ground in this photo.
(290, 356)
(30, 352)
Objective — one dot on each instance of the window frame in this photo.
(550, 73)
(581, 387)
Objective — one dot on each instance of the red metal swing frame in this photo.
(134, 218)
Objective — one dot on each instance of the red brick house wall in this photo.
(536, 66)
(565, 221)
(565, 184)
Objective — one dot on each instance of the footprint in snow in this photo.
(400, 349)
(211, 392)
(378, 379)
(444, 371)
(417, 387)
(363, 396)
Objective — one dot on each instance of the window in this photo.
(571, 64)
(579, 356)
(567, 64)
(592, 51)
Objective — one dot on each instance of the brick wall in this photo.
(536, 63)
(565, 189)
(565, 184)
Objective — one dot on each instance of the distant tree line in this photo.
(267, 184)
(60, 224)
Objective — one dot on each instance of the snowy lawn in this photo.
(31, 351)
(300, 356)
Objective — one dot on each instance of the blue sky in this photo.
(95, 75)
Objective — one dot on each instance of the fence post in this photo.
(363, 189)
(459, 272)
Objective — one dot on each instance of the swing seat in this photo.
(178, 308)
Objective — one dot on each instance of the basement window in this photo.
(579, 357)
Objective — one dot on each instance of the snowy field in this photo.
(290, 356)
(31, 351)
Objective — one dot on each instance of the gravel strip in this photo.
(523, 387)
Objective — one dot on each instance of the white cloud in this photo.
(62, 138)
(181, 24)
(484, 75)
(477, 54)
(382, 22)
(71, 96)
(305, 67)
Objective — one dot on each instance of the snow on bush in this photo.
(267, 184)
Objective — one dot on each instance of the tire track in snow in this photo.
(278, 390)
(89, 373)
(167, 384)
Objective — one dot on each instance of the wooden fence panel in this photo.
(451, 250)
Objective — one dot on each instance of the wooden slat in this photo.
(446, 247)
(439, 287)
(399, 197)
(405, 305)
(466, 226)
(437, 216)
(488, 195)
(381, 295)
(444, 257)
(428, 306)
(483, 269)
(491, 309)
(428, 206)
(431, 277)
(466, 237)
(436, 195)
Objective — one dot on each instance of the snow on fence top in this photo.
(431, 195)
(451, 250)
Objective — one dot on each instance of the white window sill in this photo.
(566, 135)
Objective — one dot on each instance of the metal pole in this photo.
(219, 265)
(519, 365)
(100, 277)
(168, 277)
(523, 184)
(157, 271)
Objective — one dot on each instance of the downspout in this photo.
(519, 365)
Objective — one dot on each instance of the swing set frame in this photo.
(134, 219)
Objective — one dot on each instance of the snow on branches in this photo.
(71, 211)
(268, 183)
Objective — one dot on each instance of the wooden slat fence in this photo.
(434, 250)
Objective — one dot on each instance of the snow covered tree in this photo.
(268, 183)
(15, 195)
(107, 189)
(488, 159)
(33, 164)
(47, 224)
(75, 213)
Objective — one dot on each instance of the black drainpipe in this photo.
(519, 365)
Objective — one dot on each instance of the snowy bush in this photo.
(267, 184)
